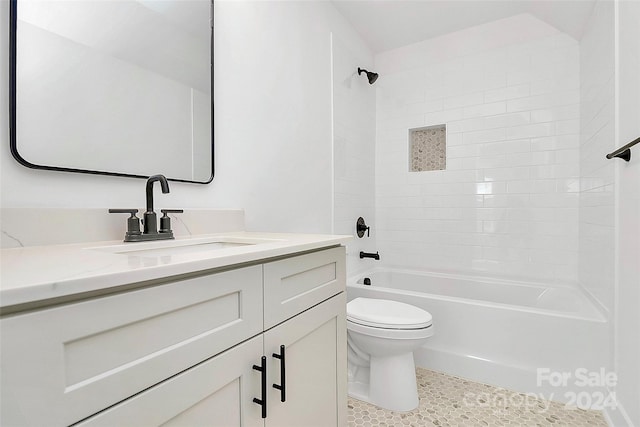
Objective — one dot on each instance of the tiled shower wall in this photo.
(354, 150)
(597, 198)
(507, 203)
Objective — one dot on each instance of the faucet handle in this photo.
(165, 220)
(361, 227)
(129, 211)
(133, 222)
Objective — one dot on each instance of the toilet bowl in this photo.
(382, 336)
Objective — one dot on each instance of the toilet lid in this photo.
(382, 313)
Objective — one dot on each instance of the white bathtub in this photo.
(495, 331)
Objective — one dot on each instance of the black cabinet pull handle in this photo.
(282, 386)
(263, 383)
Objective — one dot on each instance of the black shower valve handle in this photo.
(361, 227)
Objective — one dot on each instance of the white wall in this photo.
(273, 125)
(596, 270)
(610, 189)
(507, 204)
(354, 101)
(627, 316)
(597, 138)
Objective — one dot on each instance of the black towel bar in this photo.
(624, 153)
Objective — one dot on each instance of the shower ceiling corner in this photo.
(389, 24)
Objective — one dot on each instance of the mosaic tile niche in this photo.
(428, 149)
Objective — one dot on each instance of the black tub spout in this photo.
(375, 256)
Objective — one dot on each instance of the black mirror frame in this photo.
(13, 21)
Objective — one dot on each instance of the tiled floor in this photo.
(446, 400)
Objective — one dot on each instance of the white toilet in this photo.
(382, 336)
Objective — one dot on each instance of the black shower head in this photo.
(371, 76)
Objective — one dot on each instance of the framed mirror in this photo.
(108, 87)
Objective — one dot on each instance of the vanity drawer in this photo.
(292, 285)
(71, 361)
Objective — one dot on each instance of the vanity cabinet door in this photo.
(315, 368)
(216, 393)
(294, 284)
(63, 364)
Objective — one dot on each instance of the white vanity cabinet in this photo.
(183, 353)
(218, 392)
(316, 367)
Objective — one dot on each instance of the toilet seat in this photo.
(388, 319)
(392, 334)
(386, 314)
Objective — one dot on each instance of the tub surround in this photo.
(507, 203)
(477, 319)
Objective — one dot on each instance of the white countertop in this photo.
(38, 273)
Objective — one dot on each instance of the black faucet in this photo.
(150, 221)
(375, 256)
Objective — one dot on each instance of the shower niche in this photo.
(428, 148)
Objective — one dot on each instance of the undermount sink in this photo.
(179, 247)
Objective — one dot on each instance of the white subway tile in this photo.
(507, 173)
(463, 100)
(459, 151)
(492, 162)
(505, 147)
(544, 186)
(559, 142)
(507, 120)
(520, 76)
(486, 188)
(440, 117)
(530, 131)
(454, 139)
(565, 112)
(543, 157)
(492, 79)
(571, 185)
(491, 214)
(485, 109)
(470, 163)
(519, 159)
(564, 127)
(569, 156)
(560, 200)
(460, 201)
(494, 227)
(544, 101)
(466, 125)
(561, 82)
(502, 94)
(456, 163)
(524, 186)
(484, 136)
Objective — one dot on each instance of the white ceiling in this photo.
(389, 24)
